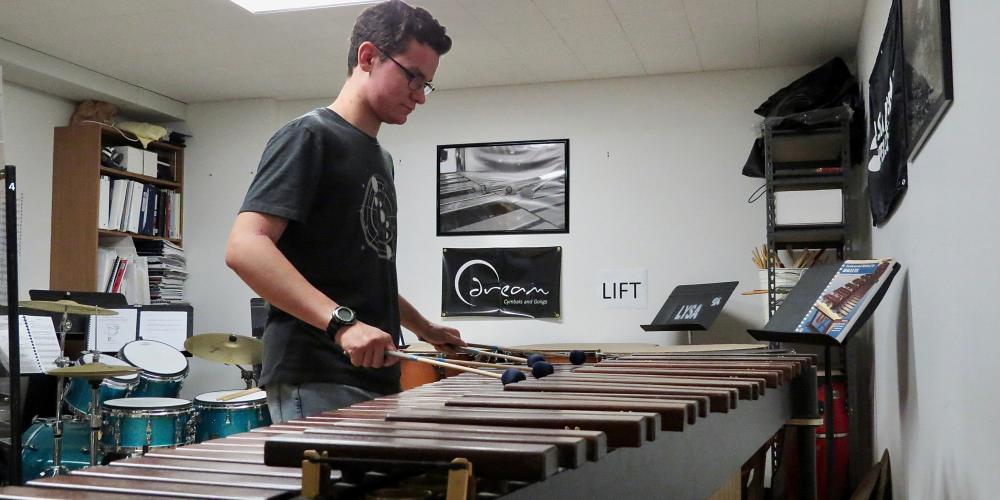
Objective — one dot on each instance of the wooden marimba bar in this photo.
(639, 426)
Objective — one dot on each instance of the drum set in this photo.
(127, 404)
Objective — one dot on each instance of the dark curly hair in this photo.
(390, 26)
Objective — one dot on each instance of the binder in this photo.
(104, 207)
(39, 346)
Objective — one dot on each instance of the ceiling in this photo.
(203, 50)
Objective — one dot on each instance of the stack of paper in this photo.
(167, 270)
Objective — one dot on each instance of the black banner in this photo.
(514, 282)
(887, 122)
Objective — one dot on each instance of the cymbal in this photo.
(226, 348)
(66, 306)
(92, 371)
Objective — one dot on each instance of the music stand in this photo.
(692, 307)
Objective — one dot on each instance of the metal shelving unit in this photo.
(799, 156)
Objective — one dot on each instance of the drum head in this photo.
(146, 403)
(154, 357)
(213, 397)
(108, 360)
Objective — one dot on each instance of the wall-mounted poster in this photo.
(887, 123)
(512, 282)
(927, 52)
(503, 188)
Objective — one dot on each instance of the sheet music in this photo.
(39, 345)
(169, 327)
(110, 333)
(43, 332)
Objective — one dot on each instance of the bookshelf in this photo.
(76, 178)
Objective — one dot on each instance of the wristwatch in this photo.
(341, 317)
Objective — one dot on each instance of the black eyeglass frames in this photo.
(415, 82)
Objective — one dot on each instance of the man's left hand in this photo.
(443, 338)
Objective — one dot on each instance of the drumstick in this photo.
(238, 394)
(538, 369)
(494, 354)
(511, 375)
(480, 364)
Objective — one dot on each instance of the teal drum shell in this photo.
(78, 393)
(136, 425)
(162, 368)
(39, 446)
(217, 419)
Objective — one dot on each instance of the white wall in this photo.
(654, 183)
(29, 118)
(935, 349)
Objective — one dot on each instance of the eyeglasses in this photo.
(415, 81)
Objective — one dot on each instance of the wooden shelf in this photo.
(145, 179)
(109, 232)
(76, 177)
(128, 138)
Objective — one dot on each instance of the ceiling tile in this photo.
(792, 32)
(504, 12)
(662, 40)
(194, 50)
(561, 9)
(637, 6)
(725, 32)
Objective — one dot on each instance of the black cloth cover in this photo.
(887, 122)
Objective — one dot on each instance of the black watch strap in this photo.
(341, 317)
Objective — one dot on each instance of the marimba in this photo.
(636, 426)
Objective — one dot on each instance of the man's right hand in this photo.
(366, 345)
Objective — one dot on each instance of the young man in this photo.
(316, 235)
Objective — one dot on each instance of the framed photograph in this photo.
(503, 188)
(927, 55)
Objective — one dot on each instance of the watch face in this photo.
(344, 314)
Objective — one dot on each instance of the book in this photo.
(38, 344)
(830, 302)
(119, 274)
(838, 307)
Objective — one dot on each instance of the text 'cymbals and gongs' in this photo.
(225, 348)
(65, 306)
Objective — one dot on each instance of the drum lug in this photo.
(149, 431)
(192, 429)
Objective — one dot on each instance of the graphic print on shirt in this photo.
(378, 217)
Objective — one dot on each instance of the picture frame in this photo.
(928, 68)
(512, 187)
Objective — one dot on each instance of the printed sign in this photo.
(622, 288)
(514, 282)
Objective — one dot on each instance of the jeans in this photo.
(296, 401)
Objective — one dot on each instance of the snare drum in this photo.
(218, 419)
(163, 368)
(77, 396)
(39, 447)
(132, 425)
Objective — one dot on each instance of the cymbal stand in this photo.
(94, 412)
(248, 376)
(95, 418)
(62, 361)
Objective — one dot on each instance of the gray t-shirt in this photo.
(334, 185)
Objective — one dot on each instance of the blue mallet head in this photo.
(577, 357)
(512, 376)
(534, 358)
(542, 369)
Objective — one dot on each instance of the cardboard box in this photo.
(132, 158)
(149, 159)
(822, 206)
